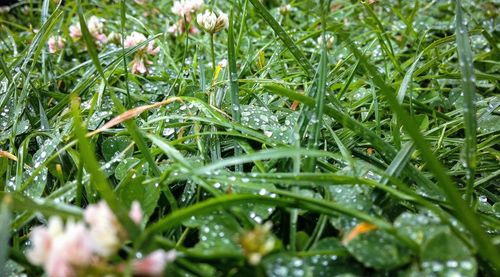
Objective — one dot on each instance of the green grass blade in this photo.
(466, 64)
(317, 117)
(233, 81)
(90, 43)
(5, 217)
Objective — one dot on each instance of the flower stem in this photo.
(212, 51)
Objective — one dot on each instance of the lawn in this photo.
(250, 138)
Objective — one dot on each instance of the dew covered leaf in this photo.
(133, 189)
(487, 121)
(261, 118)
(37, 186)
(418, 227)
(391, 252)
(257, 212)
(7, 116)
(332, 259)
(353, 196)
(113, 146)
(123, 168)
(445, 255)
(284, 265)
(218, 232)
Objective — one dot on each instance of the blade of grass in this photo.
(21, 203)
(90, 43)
(466, 65)
(233, 82)
(317, 117)
(123, 20)
(5, 217)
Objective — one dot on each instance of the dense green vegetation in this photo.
(292, 138)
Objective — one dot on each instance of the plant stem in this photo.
(212, 52)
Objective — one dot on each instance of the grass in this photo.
(366, 133)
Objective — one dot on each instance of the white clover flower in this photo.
(95, 25)
(115, 38)
(71, 249)
(329, 41)
(257, 243)
(4, 9)
(285, 9)
(64, 251)
(212, 23)
(207, 21)
(174, 30)
(134, 39)
(222, 22)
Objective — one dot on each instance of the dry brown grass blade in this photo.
(131, 114)
(5, 154)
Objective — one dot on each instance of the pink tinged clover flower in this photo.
(106, 232)
(42, 239)
(136, 212)
(71, 250)
(186, 7)
(138, 65)
(75, 32)
(137, 38)
(140, 61)
(56, 44)
(60, 250)
(154, 264)
(96, 28)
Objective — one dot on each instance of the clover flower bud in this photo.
(329, 41)
(285, 9)
(115, 38)
(257, 243)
